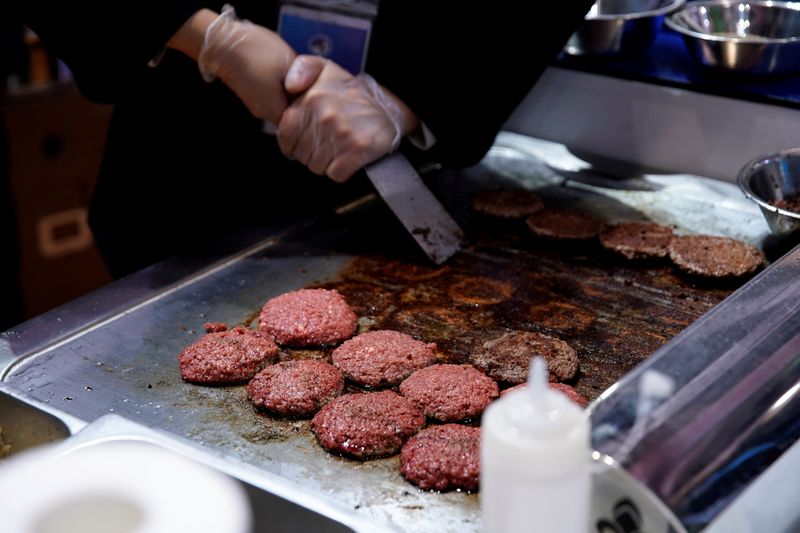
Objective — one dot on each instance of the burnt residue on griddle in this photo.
(615, 314)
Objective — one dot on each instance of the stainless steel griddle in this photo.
(114, 352)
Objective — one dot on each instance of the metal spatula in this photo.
(421, 213)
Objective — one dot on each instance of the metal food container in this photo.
(772, 177)
(758, 37)
(614, 27)
(24, 426)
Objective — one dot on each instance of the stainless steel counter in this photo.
(114, 352)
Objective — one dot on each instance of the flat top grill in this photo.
(614, 313)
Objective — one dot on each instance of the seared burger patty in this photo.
(637, 240)
(507, 358)
(227, 357)
(308, 317)
(506, 203)
(443, 458)
(450, 393)
(717, 257)
(382, 358)
(367, 425)
(564, 224)
(295, 388)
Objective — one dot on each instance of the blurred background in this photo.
(51, 142)
(627, 89)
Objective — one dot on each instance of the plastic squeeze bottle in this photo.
(535, 461)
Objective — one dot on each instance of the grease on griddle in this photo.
(561, 316)
(365, 299)
(480, 290)
(641, 306)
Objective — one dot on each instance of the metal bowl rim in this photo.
(672, 6)
(743, 178)
(755, 39)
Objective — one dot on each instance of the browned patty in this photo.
(443, 458)
(227, 357)
(295, 388)
(480, 291)
(507, 203)
(717, 257)
(450, 393)
(308, 317)
(564, 223)
(570, 392)
(507, 358)
(637, 240)
(382, 358)
(367, 425)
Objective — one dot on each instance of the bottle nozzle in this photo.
(538, 382)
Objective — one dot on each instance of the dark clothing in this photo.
(12, 61)
(185, 159)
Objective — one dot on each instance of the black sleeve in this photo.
(105, 43)
(462, 69)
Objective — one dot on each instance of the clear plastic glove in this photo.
(340, 122)
(250, 59)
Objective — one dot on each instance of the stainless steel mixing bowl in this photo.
(614, 27)
(755, 37)
(771, 177)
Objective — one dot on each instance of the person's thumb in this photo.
(303, 72)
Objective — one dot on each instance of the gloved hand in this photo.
(250, 59)
(340, 122)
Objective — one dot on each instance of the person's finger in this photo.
(290, 127)
(344, 166)
(308, 143)
(321, 157)
(303, 72)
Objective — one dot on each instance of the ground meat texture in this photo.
(637, 240)
(506, 203)
(570, 392)
(308, 317)
(506, 359)
(717, 257)
(443, 458)
(367, 425)
(382, 358)
(295, 388)
(790, 203)
(227, 357)
(215, 327)
(450, 393)
(565, 224)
